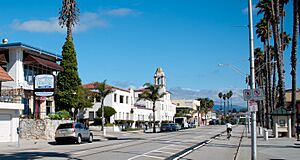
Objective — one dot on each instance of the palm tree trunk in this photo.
(69, 30)
(102, 115)
(199, 118)
(278, 52)
(153, 111)
(274, 87)
(294, 60)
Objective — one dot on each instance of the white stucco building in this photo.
(22, 62)
(124, 101)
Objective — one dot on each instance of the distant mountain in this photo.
(187, 93)
(217, 107)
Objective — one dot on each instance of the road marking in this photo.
(175, 149)
(145, 154)
(80, 152)
(163, 152)
(152, 156)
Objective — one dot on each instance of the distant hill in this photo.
(217, 107)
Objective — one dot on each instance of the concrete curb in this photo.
(238, 148)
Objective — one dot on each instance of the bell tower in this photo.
(160, 79)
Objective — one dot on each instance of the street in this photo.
(131, 146)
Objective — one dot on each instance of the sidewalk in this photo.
(281, 148)
(219, 148)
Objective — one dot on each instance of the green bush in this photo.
(54, 116)
(97, 121)
(108, 112)
(64, 114)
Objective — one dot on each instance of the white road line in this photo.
(163, 152)
(152, 156)
(175, 149)
(148, 153)
(80, 152)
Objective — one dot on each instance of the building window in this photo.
(127, 99)
(121, 99)
(91, 115)
(48, 107)
(115, 97)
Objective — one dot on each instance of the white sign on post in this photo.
(253, 107)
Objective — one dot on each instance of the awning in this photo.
(4, 76)
(3, 59)
(32, 60)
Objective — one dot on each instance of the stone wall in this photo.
(39, 129)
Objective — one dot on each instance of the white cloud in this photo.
(50, 25)
(87, 21)
(121, 12)
(254, 10)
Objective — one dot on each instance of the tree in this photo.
(220, 95)
(85, 99)
(224, 98)
(199, 111)
(108, 112)
(152, 93)
(103, 91)
(206, 105)
(68, 80)
(229, 95)
(294, 58)
(278, 51)
(68, 16)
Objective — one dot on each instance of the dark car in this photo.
(75, 132)
(166, 127)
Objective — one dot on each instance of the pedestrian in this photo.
(228, 130)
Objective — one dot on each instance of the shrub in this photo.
(97, 121)
(108, 112)
(64, 114)
(54, 116)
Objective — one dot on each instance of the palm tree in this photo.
(224, 98)
(294, 59)
(220, 95)
(103, 91)
(199, 110)
(68, 16)
(229, 95)
(278, 52)
(152, 93)
(260, 72)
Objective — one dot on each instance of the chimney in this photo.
(4, 41)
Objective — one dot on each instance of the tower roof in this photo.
(159, 72)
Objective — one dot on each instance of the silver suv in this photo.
(75, 132)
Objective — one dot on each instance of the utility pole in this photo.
(252, 74)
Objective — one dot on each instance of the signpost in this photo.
(43, 86)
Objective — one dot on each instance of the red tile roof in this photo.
(93, 85)
(4, 75)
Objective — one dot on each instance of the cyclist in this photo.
(229, 130)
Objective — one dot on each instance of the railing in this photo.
(11, 95)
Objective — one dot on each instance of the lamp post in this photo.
(252, 81)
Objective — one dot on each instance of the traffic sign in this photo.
(253, 94)
(247, 94)
(258, 94)
(253, 107)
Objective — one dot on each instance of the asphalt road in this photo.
(129, 146)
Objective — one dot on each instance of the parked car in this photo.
(165, 127)
(192, 125)
(175, 126)
(75, 132)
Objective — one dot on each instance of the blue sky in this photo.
(124, 41)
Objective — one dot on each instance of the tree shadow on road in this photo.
(35, 155)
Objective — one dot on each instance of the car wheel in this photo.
(91, 138)
(79, 140)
